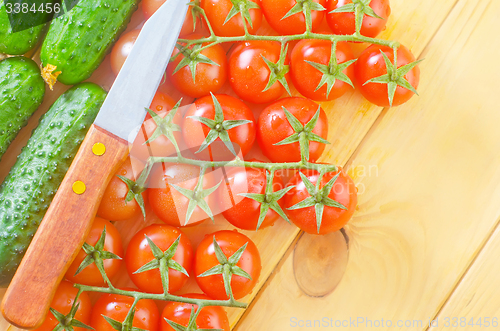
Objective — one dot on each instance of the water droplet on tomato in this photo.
(159, 108)
(117, 308)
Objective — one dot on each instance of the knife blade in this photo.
(106, 145)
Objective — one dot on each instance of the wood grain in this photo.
(62, 231)
(429, 201)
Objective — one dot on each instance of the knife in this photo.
(106, 145)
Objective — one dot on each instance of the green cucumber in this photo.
(78, 41)
(17, 43)
(31, 184)
(21, 92)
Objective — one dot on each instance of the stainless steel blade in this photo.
(123, 110)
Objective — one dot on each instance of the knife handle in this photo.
(64, 229)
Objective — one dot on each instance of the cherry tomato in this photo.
(343, 191)
(249, 73)
(211, 317)
(62, 302)
(371, 64)
(229, 242)
(161, 103)
(149, 7)
(307, 78)
(242, 136)
(113, 206)
(209, 77)
(217, 11)
(244, 212)
(275, 10)
(116, 307)
(168, 203)
(273, 127)
(143, 147)
(139, 253)
(344, 23)
(122, 49)
(112, 243)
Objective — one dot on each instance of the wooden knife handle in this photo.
(63, 229)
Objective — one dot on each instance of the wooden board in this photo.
(400, 226)
(430, 205)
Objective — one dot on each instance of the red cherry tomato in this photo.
(306, 78)
(275, 10)
(62, 302)
(209, 77)
(344, 23)
(229, 242)
(113, 206)
(122, 49)
(194, 132)
(143, 147)
(114, 306)
(371, 64)
(149, 7)
(112, 243)
(217, 11)
(244, 212)
(343, 191)
(168, 203)
(249, 73)
(211, 317)
(139, 253)
(161, 103)
(273, 127)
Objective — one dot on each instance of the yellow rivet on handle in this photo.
(79, 187)
(98, 149)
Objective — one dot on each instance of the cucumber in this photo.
(17, 43)
(21, 92)
(78, 41)
(30, 186)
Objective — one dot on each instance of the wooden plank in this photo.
(434, 197)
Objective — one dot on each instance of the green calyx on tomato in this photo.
(134, 192)
(196, 12)
(197, 196)
(218, 127)
(395, 76)
(163, 261)
(165, 126)
(318, 197)
(332, 71)
(243, 7)
(68, 322)
(269, 199)
(304, 6)
(126, 325)
(191, 59)
(360, 8)
(191, 324)
(303, 133)
(278, 70)
(96, 254)
(227, 267)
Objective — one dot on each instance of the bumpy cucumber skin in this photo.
(78, 41)
(21, 92)
(17, 43)
(31, 184)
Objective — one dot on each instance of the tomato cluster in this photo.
(143, 261)
(262, 71)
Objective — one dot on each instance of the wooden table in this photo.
(424, 242)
